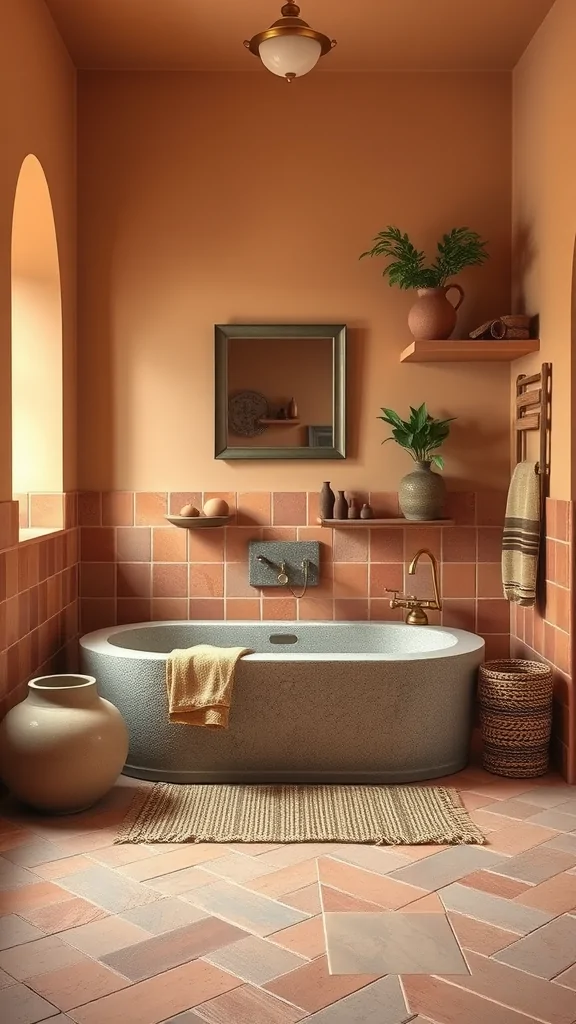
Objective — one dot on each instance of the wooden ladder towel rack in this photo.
(533, 412)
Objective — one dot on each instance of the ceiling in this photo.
(373, 35)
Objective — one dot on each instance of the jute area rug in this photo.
(385, 815)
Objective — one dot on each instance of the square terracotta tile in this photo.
(118, 508)
(157, 999)
(150, 508)
(169, 544)
(387, 544)
(351, 610)
(289, 508)
(89, 508)
(132, 609)
(254, 508)
(209, 609)
(205, 545)
(493, 616)
(133, 544)
(380, 611)
(237, 539)
(386, 576)
(459, 544)
(460, 613)
(206, 580)
(489, 579)
(350, 545)
(350, 580)
(97, 579)
(166, 608)
(97, 544)
(133, 579)
(279, 608)
(490, 508)
(169, 580)
(459, 579)
(46, 510)
(391, 943)
(489, 543)
(384, 504)
(242, 608)
(76, 984)
(97, 613)
(237, 583)
(312, 987)
(283, 533)
(461, 507)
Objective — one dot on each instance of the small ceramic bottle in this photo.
(352, 509)
(292, 410)
(327, 499)
(341, 506)
(366, 512)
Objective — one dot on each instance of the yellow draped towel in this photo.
(521, 541)
(199, 682)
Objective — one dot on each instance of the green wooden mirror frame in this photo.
(225, 333)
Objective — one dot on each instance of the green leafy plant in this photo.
(456, 250)
(421, 435)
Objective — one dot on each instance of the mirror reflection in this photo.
(280, 391)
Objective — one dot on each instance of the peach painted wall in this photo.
(38, 115)
(544, 188)
(207, 198)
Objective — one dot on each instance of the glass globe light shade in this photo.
(291, 55)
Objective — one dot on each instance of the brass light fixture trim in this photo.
(290, 24)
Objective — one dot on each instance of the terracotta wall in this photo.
(134, 567)
(208, 198)
(544, 194)
(544, 207)
(38, 579)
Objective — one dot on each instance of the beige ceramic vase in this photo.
(433, 317)
(64, 746)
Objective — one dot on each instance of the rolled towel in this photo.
(521, 541)
(199, 683)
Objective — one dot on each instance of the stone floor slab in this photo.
(547, 952)
(392, 943)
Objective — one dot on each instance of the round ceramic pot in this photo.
(64, 746)
(421, 493)
(433, 317)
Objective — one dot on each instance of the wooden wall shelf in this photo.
(399, 521)
(267, 422)
(468, 351)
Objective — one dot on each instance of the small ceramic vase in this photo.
(292, 410)
(64, 746)
(341, 506)
(327, 499)
(366, 512)
(352, 509)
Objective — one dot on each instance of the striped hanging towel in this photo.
(521, 542)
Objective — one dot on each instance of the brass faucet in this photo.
(416, 615)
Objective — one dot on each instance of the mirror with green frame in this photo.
(280, 391)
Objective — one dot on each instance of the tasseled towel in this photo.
(199, 682)
(521, 542)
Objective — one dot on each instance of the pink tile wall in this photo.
(38, 602)
(135, 566)
(545, 632)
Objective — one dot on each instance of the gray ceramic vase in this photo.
(421, 493)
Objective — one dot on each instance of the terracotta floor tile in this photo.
(59, 868)
(503, 789)
(567, 978)
(511, 808)
(78, 984)
(521, 837)
(449, 1004)
(177, 882)
(255, 960)
(422, 851)
(293, 853)
(472, 801)
(338, 902)
(286, 879)
(18, 1005)
(238, 868)
(118, 856)
(392, 943)
(387, 892)
(479, 936)
(517, 990)
(164, 952)
(89, 841)
(312, 987)
(445, 867)
(536, 865)
(380, 859)
(431, 904)
(555, 819)
(165, 915)
(546, 952)
(556, 895)
(507, 914)
(249, 1005)
(306, 899)
(30, 855)
(58, 917)
(306, 938)
(164, 863)
(106, 936)
(6, 980)
(246, 909)
(37, 957)
(159, 998)
(15, 932)
(498, 885)
(28, 897)
(109, 889)
(255, 849)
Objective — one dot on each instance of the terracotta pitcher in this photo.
(433, 317)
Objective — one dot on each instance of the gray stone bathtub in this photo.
(315, 702)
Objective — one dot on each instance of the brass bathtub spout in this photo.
(415, 605)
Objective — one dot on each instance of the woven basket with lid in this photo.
(516, 716)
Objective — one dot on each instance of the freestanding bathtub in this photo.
(315, 702)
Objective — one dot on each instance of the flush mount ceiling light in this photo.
(289, 48)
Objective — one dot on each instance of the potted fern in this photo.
(421, 493)
(432, 316)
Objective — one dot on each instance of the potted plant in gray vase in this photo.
(421, 493)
